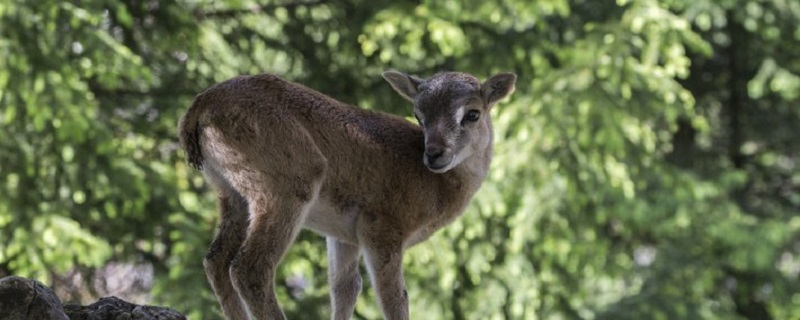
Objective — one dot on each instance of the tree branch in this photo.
(231, 13)
(142, 93)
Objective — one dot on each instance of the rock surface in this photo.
(27, 299)
(22, 298)
(113, 308)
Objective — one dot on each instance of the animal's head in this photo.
(453, 110)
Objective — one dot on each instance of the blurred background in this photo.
(647, 166)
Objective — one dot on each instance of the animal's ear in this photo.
(498, 87)
(404, 84)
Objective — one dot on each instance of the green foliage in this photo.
(646, 167)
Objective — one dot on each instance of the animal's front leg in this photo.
(385, 265)
(343, 278)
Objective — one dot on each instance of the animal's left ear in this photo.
(404, 84)
(498, 87)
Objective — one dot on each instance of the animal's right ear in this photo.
(498, 87)
(404, 84)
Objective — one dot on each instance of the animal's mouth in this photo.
(439, 165)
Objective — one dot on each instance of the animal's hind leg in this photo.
(232, 227)
(280, 182)
(269, 236)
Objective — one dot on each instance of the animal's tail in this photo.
(189, 133)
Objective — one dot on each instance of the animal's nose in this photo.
(434, 152)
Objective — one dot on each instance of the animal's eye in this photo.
(472, 116)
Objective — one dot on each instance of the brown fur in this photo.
(284, 157)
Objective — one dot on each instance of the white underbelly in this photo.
(330, 221)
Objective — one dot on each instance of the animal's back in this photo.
(241, 107)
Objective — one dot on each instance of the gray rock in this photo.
(27, 299)
(113, 308)
(22, 299)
